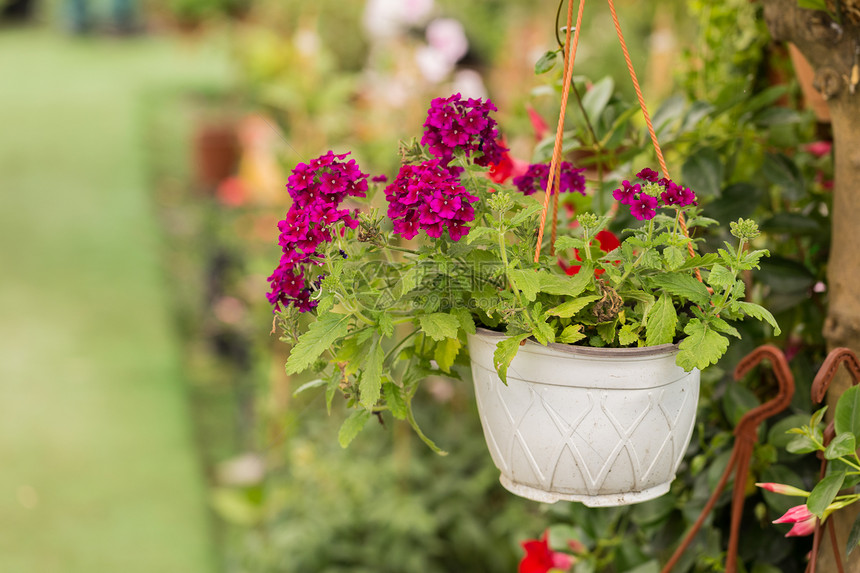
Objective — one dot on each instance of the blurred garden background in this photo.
(146, 422)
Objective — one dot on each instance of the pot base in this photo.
(607, 500)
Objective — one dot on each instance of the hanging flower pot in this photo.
(602, 426)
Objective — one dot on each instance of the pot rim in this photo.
(637, 352)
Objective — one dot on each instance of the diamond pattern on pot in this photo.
(572, 440)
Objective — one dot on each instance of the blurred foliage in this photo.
(734, 131)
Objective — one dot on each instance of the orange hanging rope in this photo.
(652, 133)
(569, 49)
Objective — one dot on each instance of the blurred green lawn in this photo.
(98, 471)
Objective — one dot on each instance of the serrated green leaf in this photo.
(661, 323)
(352, 426)
(504, 354)
(823, 493)
(565, 242)
(526, 281)
(841, 445)
(478, 232)
(571, 334)
(758, 312)
(385, 325)
(571, 307)
(467, 323)
(446, 352)
(607, 331)
(543, 333)
(751, 259)
(628, 334)
(370, 383)
(720, 277)
(674, 257)
(702, 347)
(439, 325)
(683, 286)
(308, 385)
(721, 325)
(651, 260)
(526, 213)
(564, 285)
(394, 398)
(847, 415)
(320, 336)
(408, 281)
(705, 260)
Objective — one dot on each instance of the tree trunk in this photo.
(832, 50)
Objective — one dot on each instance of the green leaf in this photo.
(758, 312)
(439, 325)
(467, 323)
(393, 395)
(813, 5)
(628, 335)
(446, 352)
(595, 99)
(352, 426)
(526, 213)
(607, 331)
(527, 281)
(684, 287)
(780, 170)
(841, 445)
(720, 277)
(853, 537)
(847, 416)
(721, 325)
(571, 307)
(543, 333)
(563, 243)
(571, 334)
(661, 322)
(408, 281)
(504, 354)
(564, 285)
(702, 347)
(823, 493)
(385, 325)
(370, 384)
(320, 336)
(477, 233)
(705, 260)
(308, 385)
(703, 172)
(674, 257)
(801, 444)
(546, 62)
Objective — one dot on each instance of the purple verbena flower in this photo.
(453, 123)
(537, 175)
(317, 189)
(648, 174)
(429, 197)
(644, 207)
(627, 193)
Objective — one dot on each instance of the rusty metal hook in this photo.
(746, 434)
(820, 385)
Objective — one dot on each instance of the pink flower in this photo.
(540, 558)
(783, 489)
(539, 126)
(803, 520)
(819, 148)
(644, 208)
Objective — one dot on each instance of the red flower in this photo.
(540, 558)
(803, 520)
(507, 167)
(607, 241)
(538, 124)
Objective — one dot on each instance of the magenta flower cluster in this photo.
(644, 206)
(317, 189)
(453, 123)
(428, 196)
(536, 176)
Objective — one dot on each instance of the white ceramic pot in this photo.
(602, 426)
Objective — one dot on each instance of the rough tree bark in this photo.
(833, 51)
